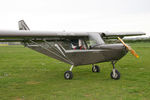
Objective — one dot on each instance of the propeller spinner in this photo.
(129, 48)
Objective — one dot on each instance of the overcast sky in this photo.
(77, 15)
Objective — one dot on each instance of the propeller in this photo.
(129, 48)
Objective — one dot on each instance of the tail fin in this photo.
(23, 25)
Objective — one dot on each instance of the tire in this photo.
(68, 75)
(117, 76)
(95, 68)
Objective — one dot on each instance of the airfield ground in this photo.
(28, 75)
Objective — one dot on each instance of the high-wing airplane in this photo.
(74, 48)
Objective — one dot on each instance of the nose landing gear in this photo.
(115, 74)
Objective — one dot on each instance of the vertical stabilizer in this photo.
(23, 25)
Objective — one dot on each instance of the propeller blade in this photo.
(134, 53)
(129, 48)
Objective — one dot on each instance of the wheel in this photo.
(68, 75)
(116, 76)
(95, 68)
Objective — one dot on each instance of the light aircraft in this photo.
(74, 48)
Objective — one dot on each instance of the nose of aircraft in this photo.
(120, 49)
(124, 49)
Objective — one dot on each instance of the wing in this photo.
(39, 35)
(14, 36)
(114, 35)
(24, 34)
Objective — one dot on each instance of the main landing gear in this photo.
(115, 73)
(68, 75)
(95, 68)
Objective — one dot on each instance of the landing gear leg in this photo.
(68, 75)
(115, 73)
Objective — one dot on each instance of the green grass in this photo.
(28, 75)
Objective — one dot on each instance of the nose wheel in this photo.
(115, 74)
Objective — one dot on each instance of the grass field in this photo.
(28, 75)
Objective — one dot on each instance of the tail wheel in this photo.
(68, 75)
(95, 68)
(115, 74)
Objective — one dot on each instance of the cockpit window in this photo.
(83, 43)
(75, 44)
(78, 44)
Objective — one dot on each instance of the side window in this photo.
(75, 44)
(78, 44)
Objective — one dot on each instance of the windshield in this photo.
(95, 39)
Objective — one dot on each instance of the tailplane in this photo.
(23, 25)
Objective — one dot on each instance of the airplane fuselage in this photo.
(95, 54)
